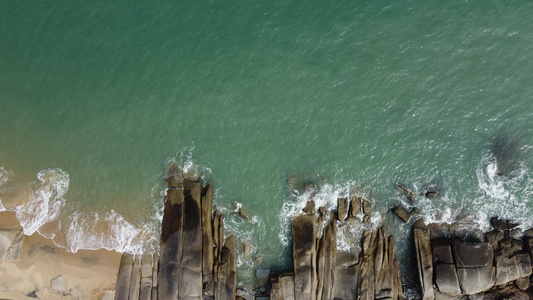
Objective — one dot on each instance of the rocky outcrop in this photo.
(424, 259)
(304, 256)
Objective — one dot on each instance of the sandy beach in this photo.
(85, 274)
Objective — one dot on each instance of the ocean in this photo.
(97, 98)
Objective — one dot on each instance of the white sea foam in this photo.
(45, 202)
(327, 195)
(5, 177)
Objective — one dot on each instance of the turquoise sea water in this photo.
(97, 97)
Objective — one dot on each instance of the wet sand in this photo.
(88, 274)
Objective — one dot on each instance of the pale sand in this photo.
(88, 273)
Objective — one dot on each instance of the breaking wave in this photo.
(45, 211)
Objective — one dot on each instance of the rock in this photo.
(146, 277)
(241, 212)
(367, 207)
(244, 295)
(174, 176)
(109, 295)
(286, 286)
(494, 237)
(524, 264)
(472, 255)
(424, 259)
(122, 289)
(383, 265)
(528, 233)
(502, 224)
(446, 279)
(506, 269)
(346, 281)
(402, 213)
(58, 283)
(515, 233)
(441, 251)
(11, 239)
(355, 206)
(295, 184)
(342, 208)
(367, 289)
(247, 251)
(226, 284)
(323, 210)
(135, 286)
(207, 230)
(510, 292)
(258, 261)
(366, 219)
(522, 283)
(431, 193)
(327, 252)
(410, 195)
(475, 280)
(262, 277)
(304, 256)
(309, 207)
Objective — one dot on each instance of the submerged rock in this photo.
(410, 195)
(402, 213)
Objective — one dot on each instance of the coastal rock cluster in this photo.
(196, 260)
(321, 271)
(492, 265)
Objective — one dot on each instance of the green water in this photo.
(355, 93)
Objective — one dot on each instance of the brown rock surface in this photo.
(304, 257)
(424, 259)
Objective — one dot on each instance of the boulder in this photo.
(247, 251)
(522, 283)
(441, 251)
(367, 207)
(424, 259)
(309, 207)
(446, 279)
(494, 237)
(472, 255)
(327, 252)
(342, 208)
(476, 280)
(402, 213)
(524, 264)
(135, 286)
(122, 287)
(207, 232)
(262, 277)
(11, 239)
(367, 284)
(304, 256)
(355, 206)
(226, 283)
(174, 176)
(286, 287)
(410, 195)
(510, 292)
(58, 283)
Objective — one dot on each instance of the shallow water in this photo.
(95, 99)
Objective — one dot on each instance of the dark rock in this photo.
(207, 231)
(522, 283)
(424, 258)
(174, 176)
(476, 280)
(367, 285)
(494, 237)
(327, 256)
(502, 224)
(472, 255)
(509, 292)
(524, 264)
(402, 213)
(446, 279)
(431, 193)
(247, 251)
(304, 256)
(441, 251)
(342, 208)
(410, 195)
(515, 233)
(346, 281)
(309, 207)
(506, 269)
(295, 184)
(367, 207)
(528, 233)
(355, 206)
(226, 283)
(262, 277)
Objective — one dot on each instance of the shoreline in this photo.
(87, 274)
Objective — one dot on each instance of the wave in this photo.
(45, 211)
